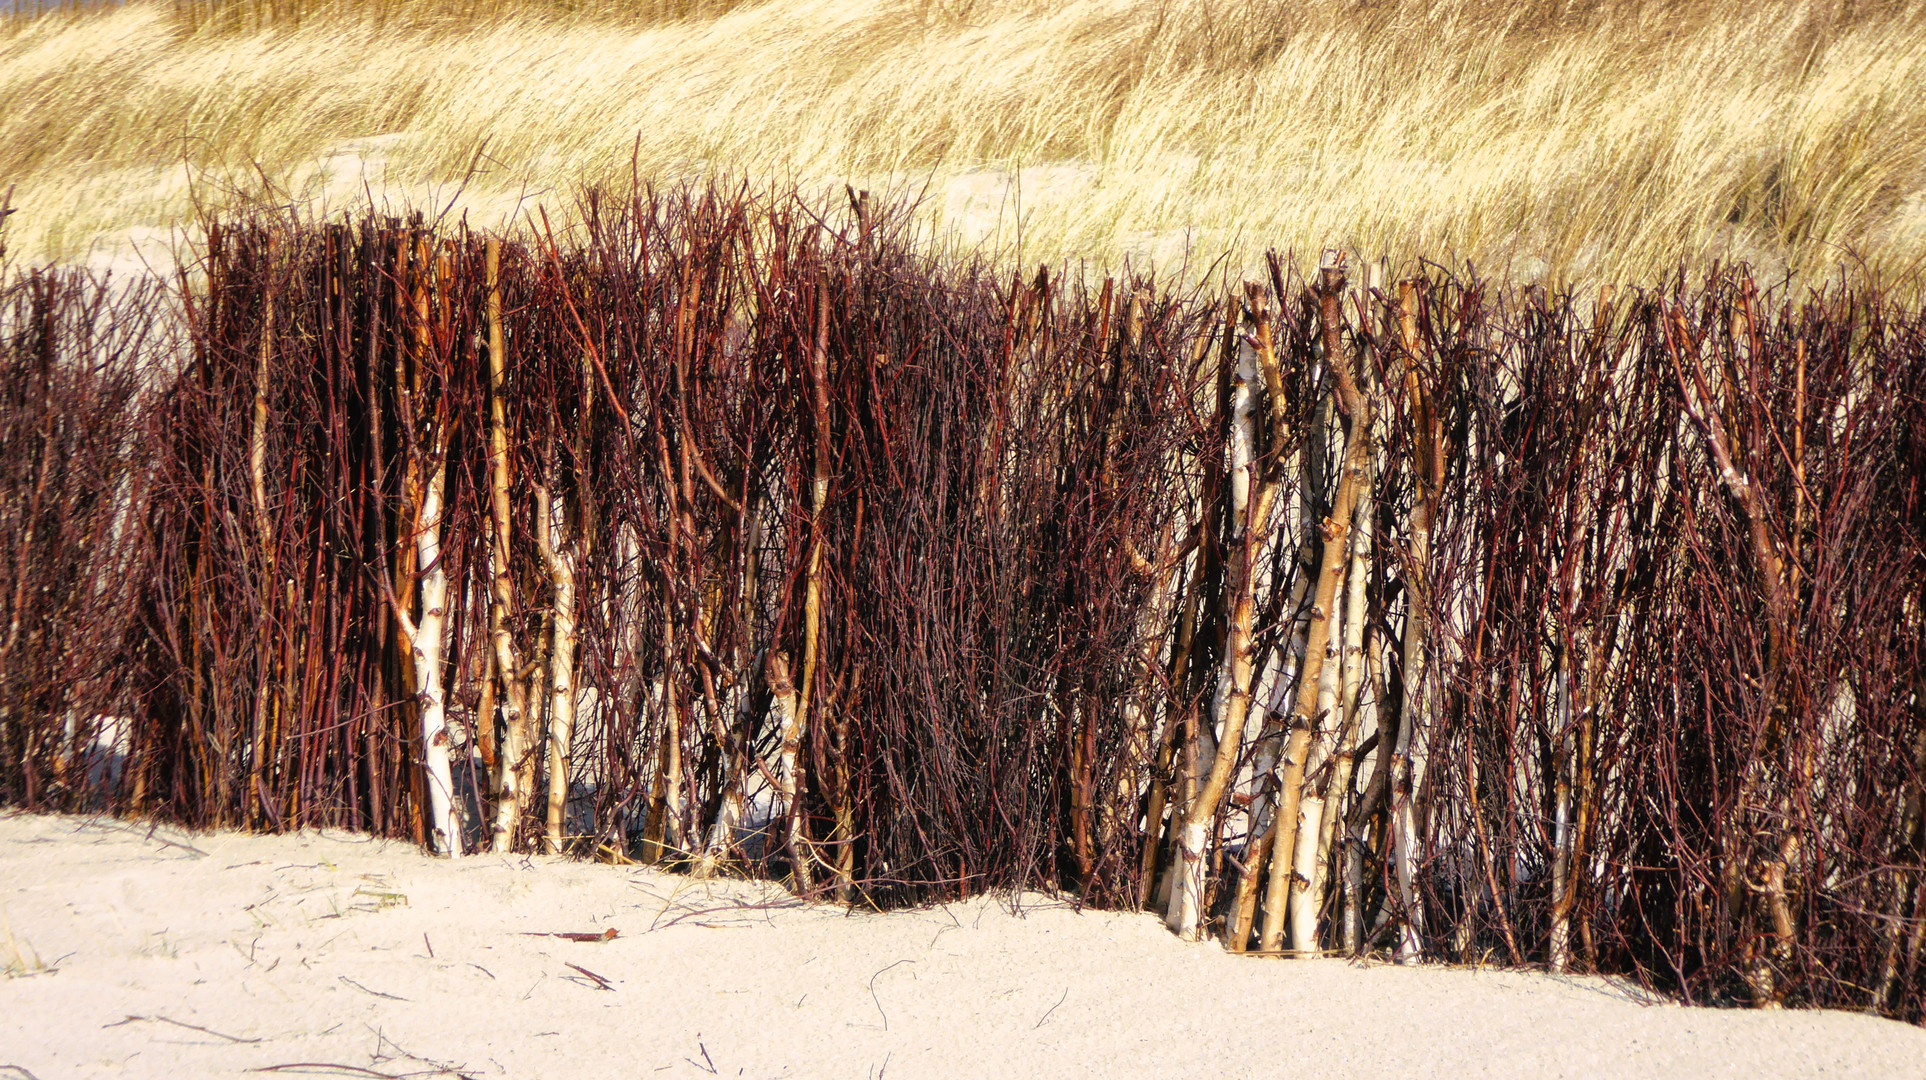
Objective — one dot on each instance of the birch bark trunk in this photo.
(662, 831)
(1306, 882)
(1258, 853)
(512, 792)
(424, 487)
(1359, 685)
(1250, 516)
(1304, 724)
(426, 640)
(782, 689)
(1156, 886)
(1307, 906)
(1559, 945)
(264, 531)
(1410, 756)
(1304, 714)
(1359, 815)
(800, 851)
(552, 537)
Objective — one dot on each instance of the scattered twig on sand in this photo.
(600, 982)
(170, 1020)
(382, 1056)
(872, 990)
(151, 833)
(707, 1064)
(765, 905)
(324, 1067)
(607, 935)
(357, 1070)
(365, 990)
(1046, 1014)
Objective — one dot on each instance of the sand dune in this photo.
(164, 954)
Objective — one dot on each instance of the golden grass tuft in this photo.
(1575, 141)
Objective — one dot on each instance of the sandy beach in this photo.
(133, 951)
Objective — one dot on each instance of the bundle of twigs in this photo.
(1328, 613)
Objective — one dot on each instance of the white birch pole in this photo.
(722, 831)
(427, 642)
(1559, 945)
(1336, 528)
(782, 689)
(425, 650)
(1306, 891)
(512, 794)
(1174, 746)
(1271, 744)
(1410, 757)
(1355, 823)
(1295, 662)
(799, 699)
(264, 529)
(1230, 706)
(425, 639)
(665, 828)
(552, 537)
(733, 809)
(1322, 817)
(1227, 703)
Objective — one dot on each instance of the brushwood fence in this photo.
(1330, 613)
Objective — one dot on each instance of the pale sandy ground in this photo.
(181, 956)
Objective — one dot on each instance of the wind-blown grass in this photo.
(1579, 142)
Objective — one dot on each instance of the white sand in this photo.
(372, 959)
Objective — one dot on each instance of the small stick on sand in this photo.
(323, 1066)
(607, 935)
(600, 982)
(169, 1020)
(365, 990)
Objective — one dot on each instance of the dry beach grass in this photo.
(1580, 141)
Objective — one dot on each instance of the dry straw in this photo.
(1577, 142)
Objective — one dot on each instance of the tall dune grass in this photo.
(1577, 142)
